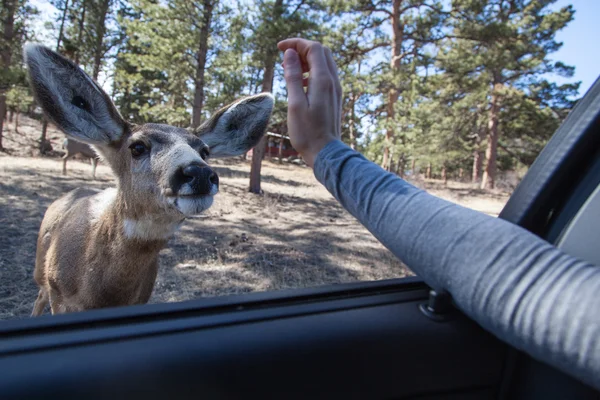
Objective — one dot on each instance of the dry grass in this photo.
(295, 235)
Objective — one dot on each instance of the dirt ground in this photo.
(295, 235)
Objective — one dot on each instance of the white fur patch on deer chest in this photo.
(149, 229)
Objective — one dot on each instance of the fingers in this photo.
(333, 71)
(294, 79)
(310, 51)
(337, 86)
(304, 78)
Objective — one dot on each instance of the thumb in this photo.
(293, 78)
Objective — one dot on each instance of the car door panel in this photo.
(382, 346)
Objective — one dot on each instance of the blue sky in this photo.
(581, 42)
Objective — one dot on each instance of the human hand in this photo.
(314, 116)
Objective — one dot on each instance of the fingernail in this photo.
(290, 57)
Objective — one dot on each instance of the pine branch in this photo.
(510, 153)
(297, 7)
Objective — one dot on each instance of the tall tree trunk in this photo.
(201, 59)
(62, 25)
(393, 94)
(44, 144)
(43, 141)
(444, 174)
(267, 86)
(478, 154)
(477, 165)
(428, 171)
(80, 32)
(10, 7)
(400, 167)
(413, 164)
(281, 151)
(489, 173)
(259, 151)
(99, 42)
(352, 124)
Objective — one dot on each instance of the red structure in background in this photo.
(273, 144)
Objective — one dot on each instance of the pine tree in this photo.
(413, 24)
(507, 43)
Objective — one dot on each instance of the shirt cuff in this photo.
(332, 150)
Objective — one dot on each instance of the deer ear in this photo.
(71, 99)
(238, 127)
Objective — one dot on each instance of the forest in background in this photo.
(457, 89)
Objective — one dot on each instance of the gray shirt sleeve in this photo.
(514, 284)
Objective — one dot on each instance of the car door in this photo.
(378, 340)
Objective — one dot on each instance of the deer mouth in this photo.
(191, 204)
(188, 194)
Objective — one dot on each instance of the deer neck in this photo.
(131, 221)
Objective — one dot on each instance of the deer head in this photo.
(160, 169)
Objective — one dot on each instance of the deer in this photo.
(100, 249)
(72, 148)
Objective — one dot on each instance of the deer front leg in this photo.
(57, 303)
(40, 303)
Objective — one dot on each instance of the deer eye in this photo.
(80, 102)
(138, 149)
(204, 153)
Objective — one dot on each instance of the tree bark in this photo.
(201, 59)
(413, 164)
(444, 175)
(8, 34)
(393, 94)
(400, 167)
(44, 143)
(478, 154)
(489, 173)
(100, 32)
(62, 25)
(80, 32)
(428, 171)
(477, 165)
(352, 126)
(259, 151)
(267, 86)
(281, 151)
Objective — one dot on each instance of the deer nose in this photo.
(201, 179)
